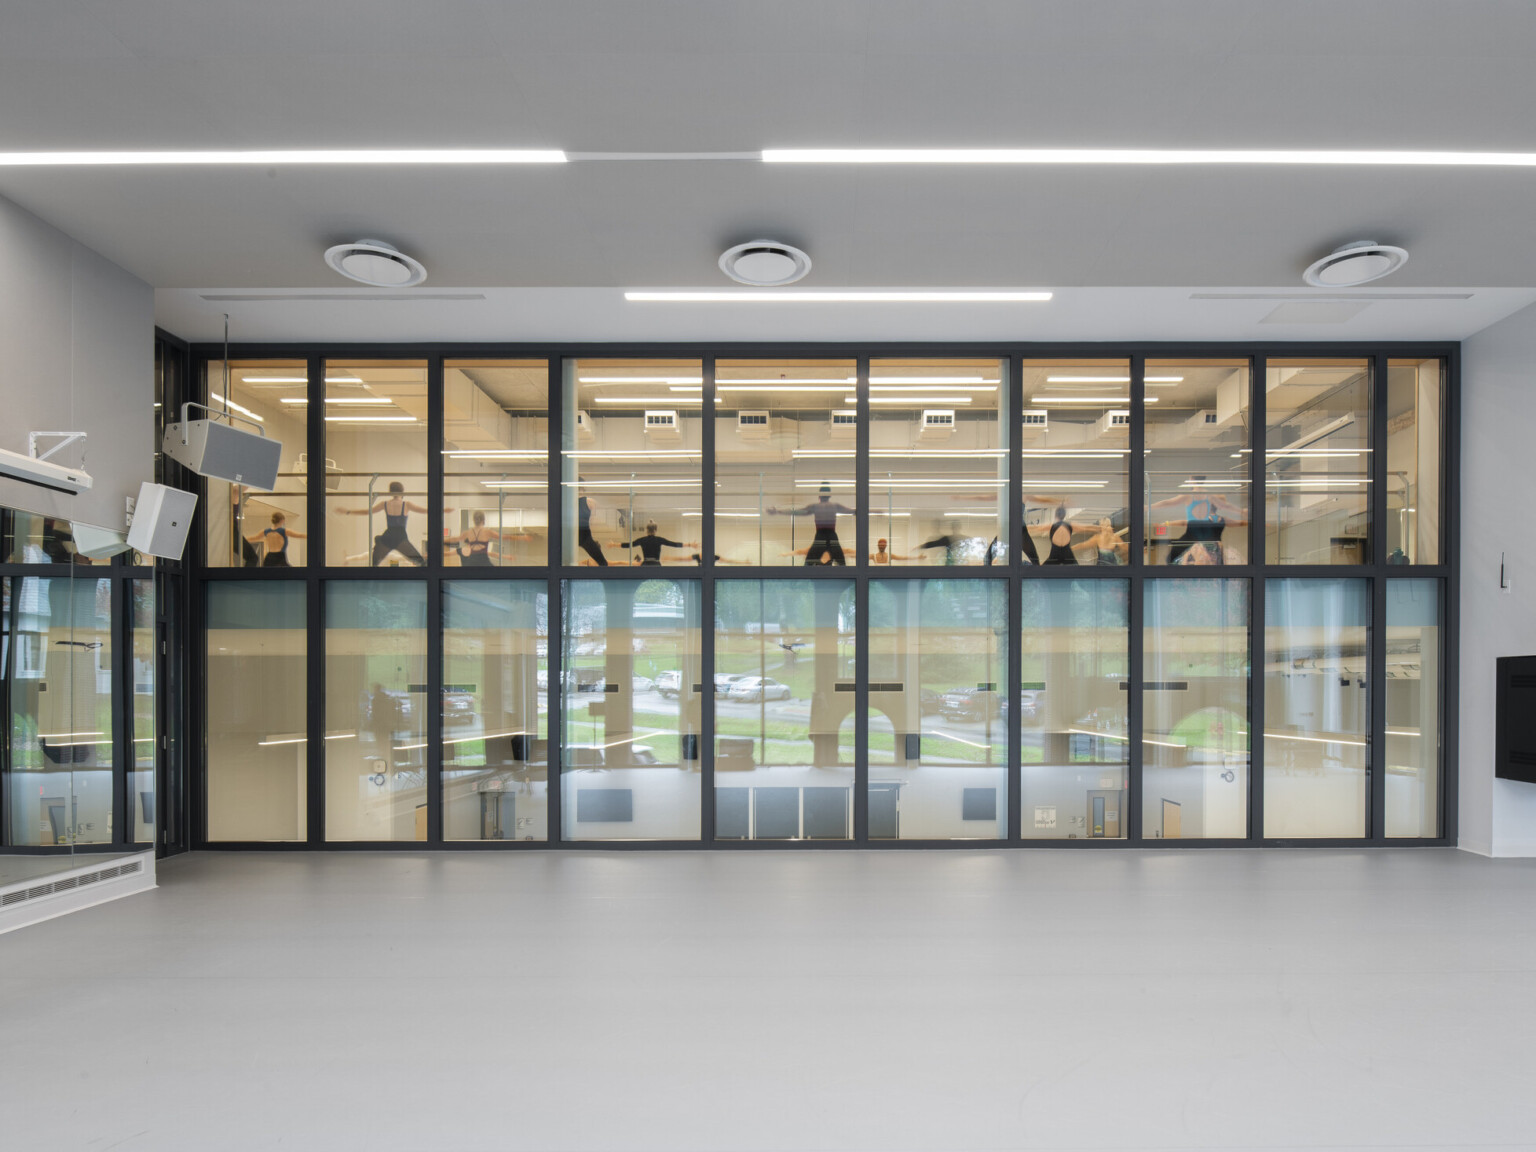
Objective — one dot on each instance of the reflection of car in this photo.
(458, 707)
(641, 683)
(759, 688)
(669, 683)
(1031, 703)
(724, 680)
(929, 701)
(585, 680)
(969, 704)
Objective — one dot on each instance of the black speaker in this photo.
(1514, 747)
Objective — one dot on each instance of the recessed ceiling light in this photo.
(1146, 156)
(765, 263)
(934, 297)
(1358, 262)
(376, 263)
(291, 156)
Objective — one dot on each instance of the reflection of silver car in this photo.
(723, 682)
(458, 707)
(759, 688)
(669, 683)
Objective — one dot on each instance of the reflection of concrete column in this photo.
(1428, 716)
(691, 662)
(828, 705)
(906, 710)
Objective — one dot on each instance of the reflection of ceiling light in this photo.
(498, 454)
(843, 380)
(1086, 399)
(371, 419)
(240, 408)
(376, 263)
(672, 483)
(529, 484)
(1358, 262)
(275, 379)
(782, 386)
(765, 263)
(1356, 157)
(649, 400)
(928, 380)
(727, 297)
(934, 387)
(686, 453)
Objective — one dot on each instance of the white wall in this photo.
(76, 354)
(1498, 497)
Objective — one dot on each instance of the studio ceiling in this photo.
(728, 76)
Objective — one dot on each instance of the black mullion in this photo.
(1012, 529)
(1258, 559)
(314, 713)
(707, 609)
(1376, 652)
(1137, 497)
(1450, 553)
(436, 486)
(314, 501)
(1135, 655)
(554, 607)
(861, 609)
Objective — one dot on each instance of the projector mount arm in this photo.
(67, 438)
(186, 416)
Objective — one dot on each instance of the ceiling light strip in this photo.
(781, 296)
(284, 156)
(1143, 156)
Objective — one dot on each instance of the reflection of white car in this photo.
(669, 683)
(641, 683)
(759, 688)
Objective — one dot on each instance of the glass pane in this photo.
(248, 528)
(1413, 708)
(376, 463)
(59, 779)
(631, 461)
(257, 694)
(32, 539)
(495, 710)
(1317, 463)
(938, 461)
(1415, 399)
(1072, 709)
(1317, 707)
(496, 462)
(375, 710)
(1075, 431)
(784, 653)
(141, 778)
(1197, 461)
(938, 686)
(1195, 741)
(632, 661)
(783, 429)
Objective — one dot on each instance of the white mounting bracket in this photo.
(66, 439)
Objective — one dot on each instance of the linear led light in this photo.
(935, 387)
(1345, 157)
(1054, 483)
(781, 386)
(904, 399)
(640, 455)
(913, 482)
(1313, 739)
(371, 419)
(287, 156)
(66, 735)
(1320, 483)
(527, 484)
(640, 380)
(1087, 399)
(843, 380)
(498, 454)
(1112, 379)
(299, 379)
(240, 408)
(732, 515)
(781, 296)
(1059, 454)
(290, 740)
(689, 481)
(338, 400)
(649, 399)
(1201, 484)
(929, 380)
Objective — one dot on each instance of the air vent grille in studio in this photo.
(69, 883)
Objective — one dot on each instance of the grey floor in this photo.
(886, 1000)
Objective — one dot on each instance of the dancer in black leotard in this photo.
(475, 544)
(275, 541)
(650, 545)
(824, 515)
(1206, 516)
(584, 538)
(396, 509)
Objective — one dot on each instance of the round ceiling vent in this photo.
(1357, 262)
(377, 263)
(764, 263)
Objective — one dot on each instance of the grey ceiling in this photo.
(739, 75)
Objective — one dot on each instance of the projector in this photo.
(43, 473)
(221, 451)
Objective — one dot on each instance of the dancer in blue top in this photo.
(275, 541)
(396, 509)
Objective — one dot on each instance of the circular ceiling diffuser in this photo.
(764, 263)
(1358, 262)
(377, 263)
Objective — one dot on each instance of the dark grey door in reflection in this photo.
(884, 816)
(826, 813)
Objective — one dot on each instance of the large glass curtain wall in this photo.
(1187, 597)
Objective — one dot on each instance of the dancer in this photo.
(475, 544)
(1112, 550)
(881, 556)
(396, 509)
(824, 514)
(274, 541)
(1206, 516)
(584, 538)
(650, 545)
